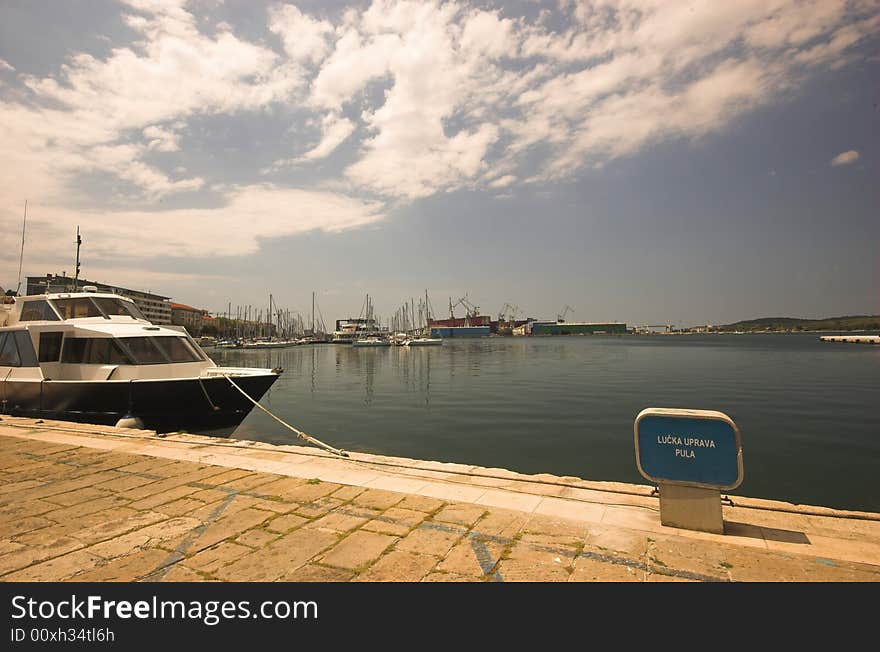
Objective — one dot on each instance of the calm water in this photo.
(565, 405)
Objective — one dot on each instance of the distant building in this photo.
(156, 308)
(577, 328)
(190, 318)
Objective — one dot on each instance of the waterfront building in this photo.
(155, 307)
(577, 328)
(190, 318)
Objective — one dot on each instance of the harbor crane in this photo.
(470, 308)
(565, 310)
(508, 313)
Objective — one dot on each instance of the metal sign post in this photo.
(692, 455)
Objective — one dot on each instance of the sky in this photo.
(644, 161)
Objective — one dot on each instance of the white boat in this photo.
(94, 358)
(424, 341)
(371, 341)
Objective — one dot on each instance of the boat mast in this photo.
(313, 313)
(21, 257)
(78, 244)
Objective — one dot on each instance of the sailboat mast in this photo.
(78, 244)
(21, 257)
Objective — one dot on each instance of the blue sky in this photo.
(638, 160)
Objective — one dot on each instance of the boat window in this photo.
(144, 350)
(37, 311)
(25, 349)
(8, 351)
(17, 350)
(177, 349)
(111, 307)
(50, 346)
(93, 350)
(77, 308)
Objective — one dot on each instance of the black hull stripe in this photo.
(194, 405)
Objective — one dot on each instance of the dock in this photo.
(852, 339)
(94, 503)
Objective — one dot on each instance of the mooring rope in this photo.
(299, 433)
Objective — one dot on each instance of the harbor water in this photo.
(566, 405)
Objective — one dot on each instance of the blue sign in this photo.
(700, 448)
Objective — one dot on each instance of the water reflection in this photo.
(565, 405)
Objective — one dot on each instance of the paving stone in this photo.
(421, 503)
(115, 527)
(230, 526)
(128, 568)
(18, 526)
(501, 523)
(395, 521)
(755, 566)
(250, 482)
(316, 573)
(679, 553)
(472, 557)
(358, 549)
(348, 493)
(592, 570)
(55, 569)
(22, 509)
(460, 513)
(208, 496)
(179, 573)
(613, 540)
(553, 530)
(318, 507)
(305, 493)
(180, 507)
(399, 566)
(286, 523)
(659, 577)
(378, 499)
(146, 537)
(279, 558)
(124, 483)
(163, 497)
(535, 554)
(449, 577)
(512, 570)
(337, 522)
(215, 557)
(226, 476)
(256, 538)
(75, 512)
(78, 496)
(285, 488)
(428, 540)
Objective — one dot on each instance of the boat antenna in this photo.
(78, 244)
(21, 257)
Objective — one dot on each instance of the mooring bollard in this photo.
(692, 455)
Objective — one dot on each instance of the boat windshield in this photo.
(112, 307)
(80, 307)
(37, 311)
(77, 308)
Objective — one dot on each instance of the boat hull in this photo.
(198, 405)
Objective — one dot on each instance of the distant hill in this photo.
(848, 323)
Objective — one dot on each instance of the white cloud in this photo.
(248, 215)
(161, 140)
(429, 97)
(5, 65)
(845, 158)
